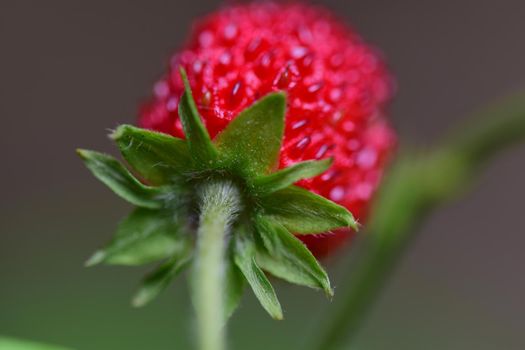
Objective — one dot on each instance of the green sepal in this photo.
(244, 256)
(145, 236)
(288, 176)
(201, 148)
(234, 287)
(287, 257)
(114, 175)
(160, 278)
(253, 139)
(304, 212)
(158, 157)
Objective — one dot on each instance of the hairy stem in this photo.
(417, 184)
(219, 205)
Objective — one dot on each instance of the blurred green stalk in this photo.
(418, 182)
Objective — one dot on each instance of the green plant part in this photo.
(221, 202)
(8, 343)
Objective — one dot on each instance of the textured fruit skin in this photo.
(338, 89)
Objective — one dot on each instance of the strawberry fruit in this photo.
(276, 132)
(337, 90)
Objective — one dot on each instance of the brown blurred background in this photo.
(69, 70)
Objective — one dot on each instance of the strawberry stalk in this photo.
(219, 205)
(416, 185)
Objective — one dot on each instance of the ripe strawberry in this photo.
(337, 87)
(223, 190)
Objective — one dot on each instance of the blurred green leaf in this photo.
(17, 344)
(304, 212)
(114, 175)
(156, 156)
(253, 139)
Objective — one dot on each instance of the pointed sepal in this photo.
(114, 175)
(253, 139)
(287, 257)
(288, 176)
(304, 212)
(262, 288)
(199, 142)
(145, 236)
(159, 158)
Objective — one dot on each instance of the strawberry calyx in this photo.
(165, 181)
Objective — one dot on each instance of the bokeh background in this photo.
(69, 70)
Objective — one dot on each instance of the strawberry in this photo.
(337, 87)
(267, 130)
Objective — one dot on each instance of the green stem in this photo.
(219, 204)
(417, 184)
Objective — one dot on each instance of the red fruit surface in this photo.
(337, 88)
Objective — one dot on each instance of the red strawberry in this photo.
(337, 87)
